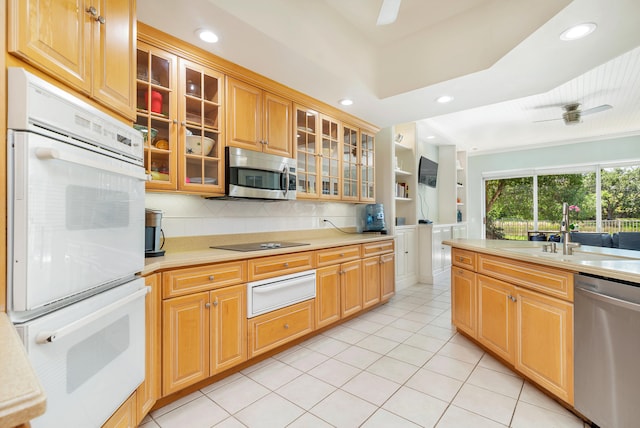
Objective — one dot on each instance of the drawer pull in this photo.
(211, 277)
(286, 326)
(285, 264)
(341, 254)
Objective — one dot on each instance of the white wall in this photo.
(603, 151)
(187, 215)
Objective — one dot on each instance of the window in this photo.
(522, 205)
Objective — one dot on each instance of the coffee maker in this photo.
(153, 234)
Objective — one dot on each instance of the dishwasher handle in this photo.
(609, 299)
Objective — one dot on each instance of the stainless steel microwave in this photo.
(259, 175)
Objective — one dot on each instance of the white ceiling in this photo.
(502, 60)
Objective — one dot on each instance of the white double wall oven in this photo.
(75, 244)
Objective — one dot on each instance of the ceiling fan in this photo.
(388, 12)
(572, 113)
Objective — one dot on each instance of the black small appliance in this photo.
(153, 234)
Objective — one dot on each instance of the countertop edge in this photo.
(622, 268)
(210, 256)
(22, 397)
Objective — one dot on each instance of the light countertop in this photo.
(606, 262)
(21, 395)
(195, 250)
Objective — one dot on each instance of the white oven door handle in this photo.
(49, 336)
(45, 153)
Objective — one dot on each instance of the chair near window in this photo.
(593, 239)
(627, 240)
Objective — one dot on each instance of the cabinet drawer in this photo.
(379, 247)
(332, 256)
(554, 282)
(276, 328)
(464, 258)
(185, 281)
(268, 267)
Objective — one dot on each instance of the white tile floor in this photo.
(400, 365)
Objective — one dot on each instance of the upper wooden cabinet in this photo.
(180, 111)
(330, 148)
(87, 44)
(156, 105)
(367, 167)
(200, 112)
(306, 131)
(258, 120)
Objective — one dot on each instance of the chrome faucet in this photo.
(567, 246)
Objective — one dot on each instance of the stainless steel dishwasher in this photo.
(607, 351)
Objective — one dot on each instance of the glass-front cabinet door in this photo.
(201, 160)
(156, 114)
(306, 132)
(367, 167)
(350, 144)
(330, 158)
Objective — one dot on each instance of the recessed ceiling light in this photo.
(206, 35)
(430, 137)
(444, 99)
(346, 102)
(578, 31)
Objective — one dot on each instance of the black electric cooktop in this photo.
(256, 246)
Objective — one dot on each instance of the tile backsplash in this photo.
(187, 215)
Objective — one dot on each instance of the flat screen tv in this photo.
(427, 172)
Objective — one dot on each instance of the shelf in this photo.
(402, 147)
(403, 199)
(402, 172)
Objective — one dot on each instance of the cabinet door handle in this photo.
(460, 272)
(215, 302)
(211, 277)
(101, 19)
(92, 11)
(513, 299)
(207, 305)
(265, 142)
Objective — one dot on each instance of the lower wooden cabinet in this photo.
(544, 327)
(496, 316)
(278, 327)
(525, 327)
(338, 292)
(387, 276)
(327, 299)
(203, 333)
(125, 416)
(463, 300)
(371, 281)
(150, 390)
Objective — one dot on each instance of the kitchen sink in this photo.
(576, 256)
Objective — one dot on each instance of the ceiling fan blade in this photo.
(546, 120)
(388, 12)
(597, 109)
